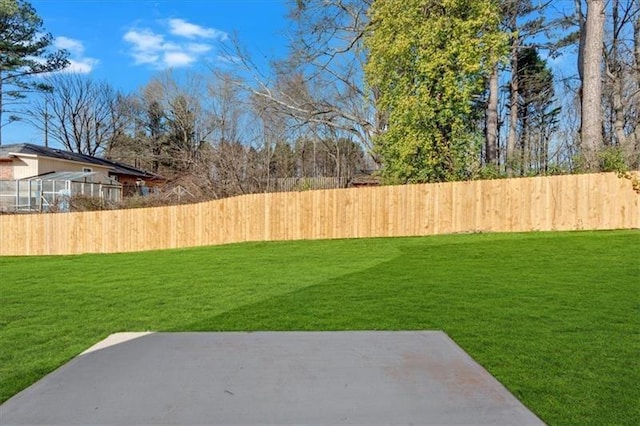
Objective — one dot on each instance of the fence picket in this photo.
(600, 201)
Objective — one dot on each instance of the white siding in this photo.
(25, 167)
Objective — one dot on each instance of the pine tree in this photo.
(538, 113)
(24, 52)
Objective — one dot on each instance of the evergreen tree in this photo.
(24, 52)
(538, 114)
(523, 20)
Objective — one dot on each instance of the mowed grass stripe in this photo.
(554, 316)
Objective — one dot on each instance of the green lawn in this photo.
(554, 316)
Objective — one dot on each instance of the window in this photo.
(87, 169)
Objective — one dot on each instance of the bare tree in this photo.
(621, 88)
(636, 93)
(234, 168)
(189, 121)
(322, 81)
(228, 107)
(275, 154)
(173, 122)
(82, 114)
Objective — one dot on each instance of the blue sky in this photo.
(127, 42)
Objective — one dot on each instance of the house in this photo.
(27, 160)
(33, 176)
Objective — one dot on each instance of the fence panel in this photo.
(597, 201)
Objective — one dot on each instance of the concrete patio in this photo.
(368, 377)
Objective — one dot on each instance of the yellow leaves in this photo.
(8, 7)
(428, 59)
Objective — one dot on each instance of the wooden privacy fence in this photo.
(596, 201)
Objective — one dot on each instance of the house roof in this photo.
(115, 167)
(82, 177)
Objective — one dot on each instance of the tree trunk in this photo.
(636, 42)
(491, 150)
(525, 138)
(1, 108)
(615, 73)
(634, 141)
(591, 124)
(618, 111)
(513, 112)
(544, 154)
(581, 30)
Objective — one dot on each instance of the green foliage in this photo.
(283, 161)
(538, 112)
(613, 159)
(306, 185)
(489, 171)
(23, 45)
(557, 169)
(428, 60)
(555, 320)
(535, 78)
(610, 159)
(24, 51)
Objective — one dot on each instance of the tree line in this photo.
(417, 90)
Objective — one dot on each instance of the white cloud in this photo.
(73, 46)
(198, 48)
(145, 58)
(83, 66)
(178, 59)
(78, 63)
(182, 28)
(146, 46)
(163, 50)
(144, 40)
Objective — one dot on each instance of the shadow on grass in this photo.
(542, 320)
(554, 316)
